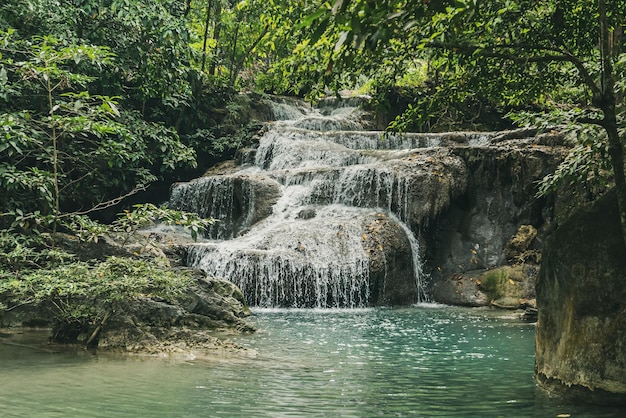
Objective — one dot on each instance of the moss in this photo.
(503, 282)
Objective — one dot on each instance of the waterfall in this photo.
(325, 218)
(295, 262)
(420, 277)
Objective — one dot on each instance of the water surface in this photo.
(422, 361)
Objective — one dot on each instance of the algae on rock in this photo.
(580, 342)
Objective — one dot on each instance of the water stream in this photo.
(423, 361)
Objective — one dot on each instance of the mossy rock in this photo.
(520, 249)
(580, 345)
(509, 282)
(507, 302)
(460, 290)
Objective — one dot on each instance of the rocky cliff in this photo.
(581, 297)
(498, 220)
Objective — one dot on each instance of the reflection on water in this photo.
(423, 361)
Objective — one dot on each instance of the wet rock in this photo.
(530, 314)
(499, 198)
(343, 257)
(460, 290)
(236, 201)
(390, 263)
(432, 179)
(306, 214)
(581, 328)
(529, 303)
(507, 302)
(507, 287)
(218, 299)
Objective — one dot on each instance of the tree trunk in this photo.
(207, 22)
(616, 152)
(233, 58)
(607, 103)
(238, 63)
(94, 335)
(216, 37)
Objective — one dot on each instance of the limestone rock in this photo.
(342, 257)
(500, 197)
(507, 302)
(460, 289)
(390, 263)
(149, 325)
(581, 297)
(237, 201)
(433, 179)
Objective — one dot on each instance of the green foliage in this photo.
(586, 171)
(79, 297)
(21, 252)
(145, 215)
(95, 96)
(512, 53)
(244, 43)
(65, 148)
(562, 61)
(26, 244)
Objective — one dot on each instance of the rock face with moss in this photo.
(486, 247)
(510, 286)
(581, 329)
(476, 231)
(150, 325)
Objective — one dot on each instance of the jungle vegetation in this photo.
(99, 99)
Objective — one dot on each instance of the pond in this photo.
(426, 360)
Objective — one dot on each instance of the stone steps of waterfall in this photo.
(379, 140)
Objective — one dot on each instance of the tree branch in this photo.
(530, 54)
(108, 203)
(591, 121)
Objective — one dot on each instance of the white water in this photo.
(334, 178)
(297, 263)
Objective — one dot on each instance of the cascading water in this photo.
(324, 216)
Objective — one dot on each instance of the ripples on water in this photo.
(423, 361)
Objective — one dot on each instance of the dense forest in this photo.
(99, 99)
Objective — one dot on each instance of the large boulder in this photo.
(581, 297)
(150, 325)
(507, 287)
(390, 262)
(460, 289)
